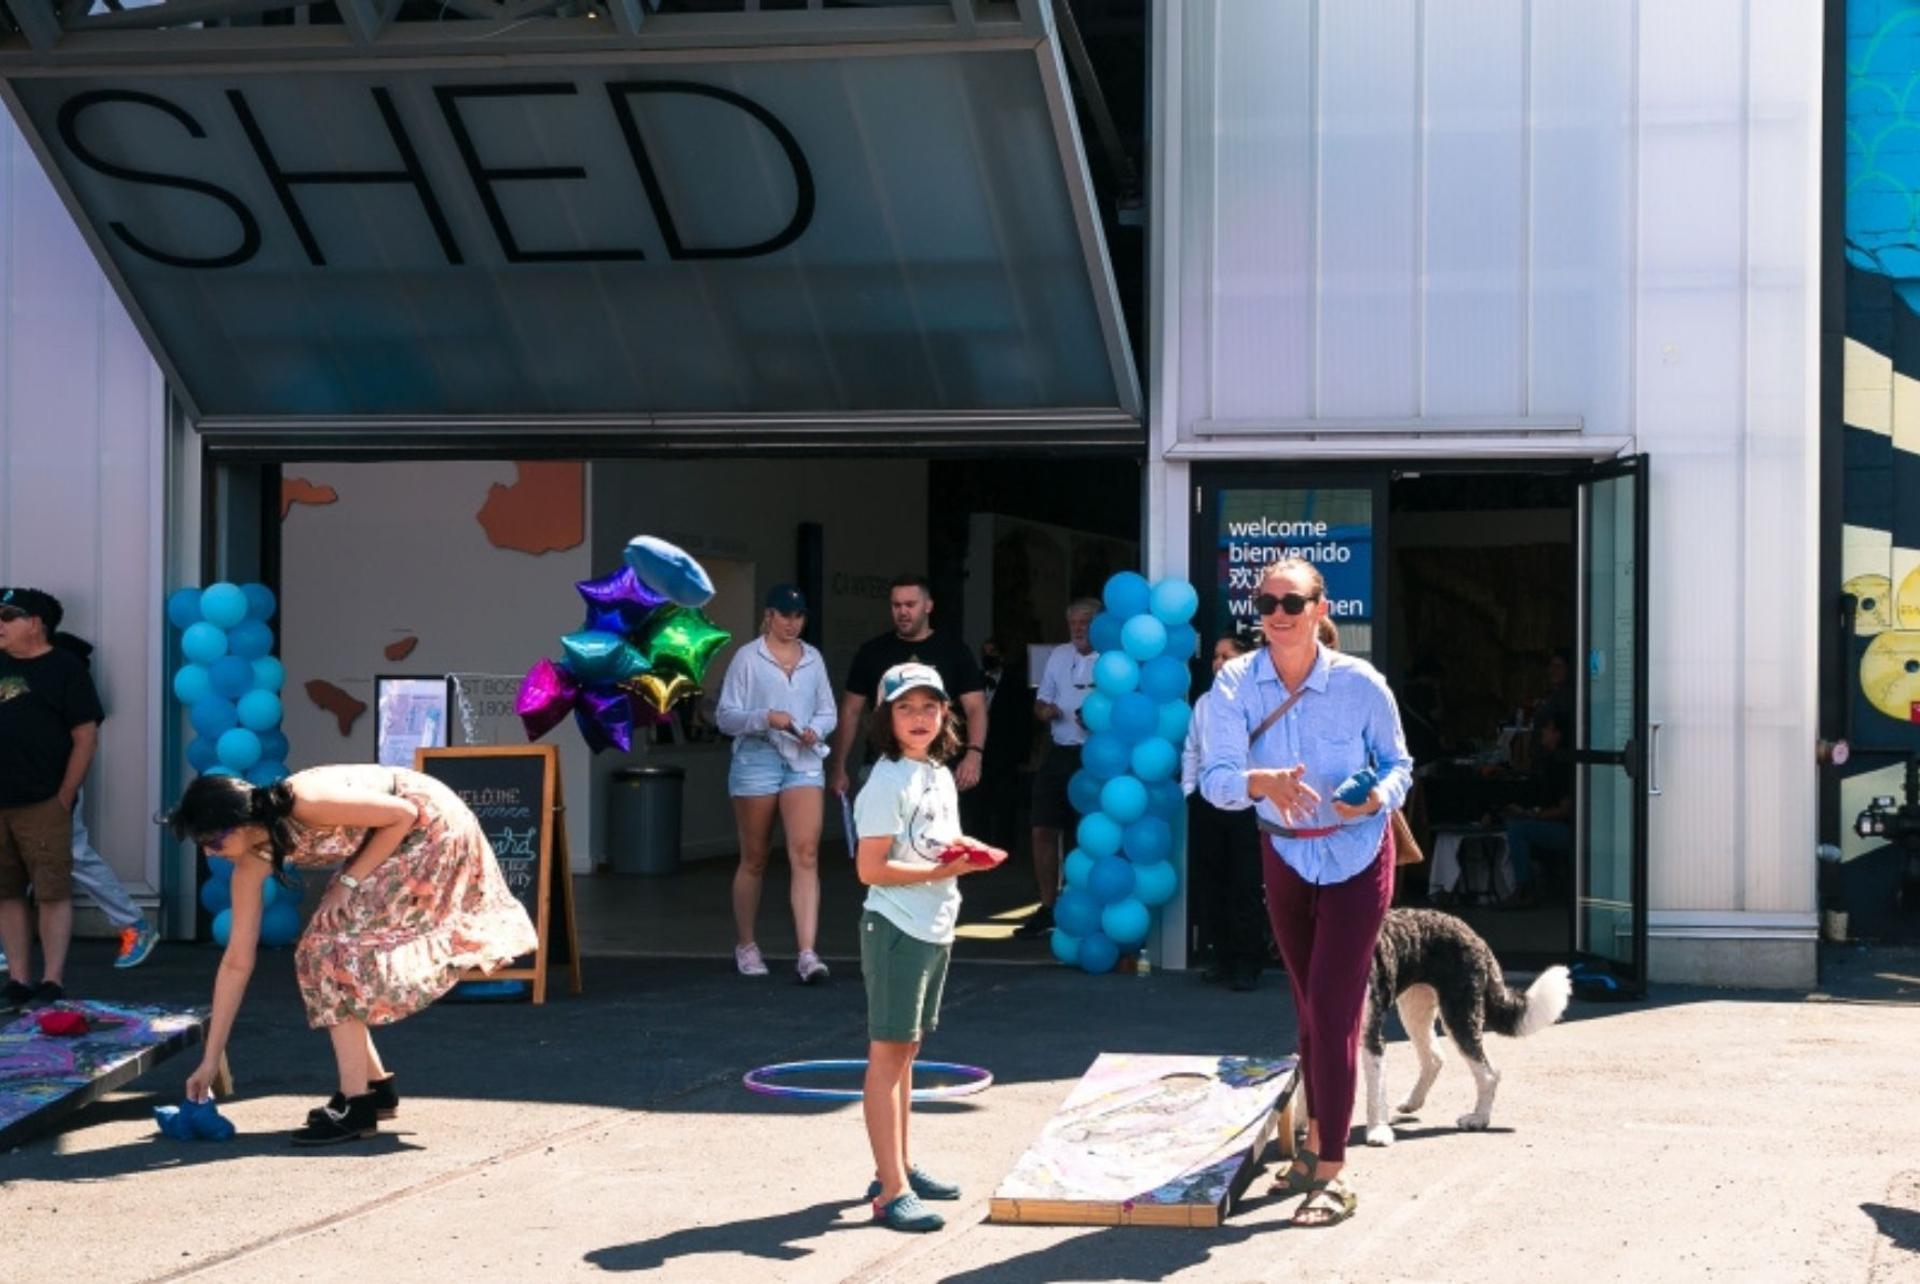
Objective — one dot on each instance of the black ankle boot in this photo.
(354, 1119)
(386, 1101)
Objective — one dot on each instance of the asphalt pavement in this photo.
(1700, 1134)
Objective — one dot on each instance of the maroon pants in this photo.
(1326, 936)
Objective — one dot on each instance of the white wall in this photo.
(1404, 228)
(401, 553)
(82, 486)
(750, 511)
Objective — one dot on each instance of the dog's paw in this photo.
(1473, 1123)
(1410, 1106)
(1380, 1135)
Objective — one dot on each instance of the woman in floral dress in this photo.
(418, 901)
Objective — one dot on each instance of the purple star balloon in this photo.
(618, 603)
(605, 715)
(546, 695)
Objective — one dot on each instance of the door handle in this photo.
(1653, 759)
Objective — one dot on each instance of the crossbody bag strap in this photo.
(1268, 721)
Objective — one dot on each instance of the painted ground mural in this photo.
(1881, 541)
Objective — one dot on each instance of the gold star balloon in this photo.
(684, 641)
(660, 692)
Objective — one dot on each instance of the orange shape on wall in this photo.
(544, 510)
(397, 651)
(336, 702)
(298, 490)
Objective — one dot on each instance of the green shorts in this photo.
(905, 978)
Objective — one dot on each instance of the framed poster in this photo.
(409, 712)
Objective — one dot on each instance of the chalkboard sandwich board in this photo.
(514, 790)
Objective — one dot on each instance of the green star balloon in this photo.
(684, 640)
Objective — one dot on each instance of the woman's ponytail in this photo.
(271, 806)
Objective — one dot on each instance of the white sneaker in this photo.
(747, 959)
(809, 968)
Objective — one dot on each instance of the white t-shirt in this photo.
(916, 805)
(1065, 683)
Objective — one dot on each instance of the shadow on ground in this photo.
(773, 1239)
(661, 1034)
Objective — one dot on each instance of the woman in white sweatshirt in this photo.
(777, 704)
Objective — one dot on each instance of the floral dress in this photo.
(434, 909)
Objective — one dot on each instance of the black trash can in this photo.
(643, 820)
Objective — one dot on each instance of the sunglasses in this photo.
(1291, 603)
(8, 614)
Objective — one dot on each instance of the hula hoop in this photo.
(973, 1079)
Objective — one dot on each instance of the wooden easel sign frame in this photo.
(520, 808)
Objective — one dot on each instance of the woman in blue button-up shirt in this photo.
(1328, 866)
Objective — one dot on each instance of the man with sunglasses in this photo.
(49, 724)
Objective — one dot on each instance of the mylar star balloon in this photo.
(546, 694)
(597, 657)
(618, 603)
(605, 717)
(659, 692)
(684, 640)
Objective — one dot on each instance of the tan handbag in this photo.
(1405, 850)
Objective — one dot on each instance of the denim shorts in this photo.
(758, 771)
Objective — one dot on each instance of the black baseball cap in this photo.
(44, 606)
(786, 599)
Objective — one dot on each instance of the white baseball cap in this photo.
(902, 678)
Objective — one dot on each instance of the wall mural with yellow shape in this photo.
(1880, 545)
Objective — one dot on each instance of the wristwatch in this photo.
(973, 749)
(348, 881)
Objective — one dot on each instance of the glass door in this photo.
(1610, 903)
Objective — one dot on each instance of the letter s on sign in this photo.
(68, 125)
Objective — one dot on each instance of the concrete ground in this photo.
(1703, 1134)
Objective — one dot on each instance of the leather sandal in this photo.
(1293, 1181)
(1328, 1203)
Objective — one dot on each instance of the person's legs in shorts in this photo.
(36, 847)
(1052, 816)
(905, 979)
(802, 802)
(753, 779)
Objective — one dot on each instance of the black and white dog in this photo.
(1433, 965)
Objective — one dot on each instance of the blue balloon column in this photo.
(1128, 788)
(230, 687)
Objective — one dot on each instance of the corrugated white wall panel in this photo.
(1474, 214)
(1368, 182)
(1581, 197)
(1545, 208)
(81, 487)
(1691, 357)
(1262, 313)
(1779, 703)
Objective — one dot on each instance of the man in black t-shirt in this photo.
(910, 599)
(49, 724)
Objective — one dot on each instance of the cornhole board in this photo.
(1146, 1140)
(44, 1078)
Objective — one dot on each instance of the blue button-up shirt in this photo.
(1346, 720)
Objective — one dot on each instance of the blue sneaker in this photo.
(136, 943)
(907, 1213)
(922, 1185)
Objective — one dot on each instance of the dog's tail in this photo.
(1519, 1015)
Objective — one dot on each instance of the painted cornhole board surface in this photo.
(1148, 1140)
(44, 1078)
